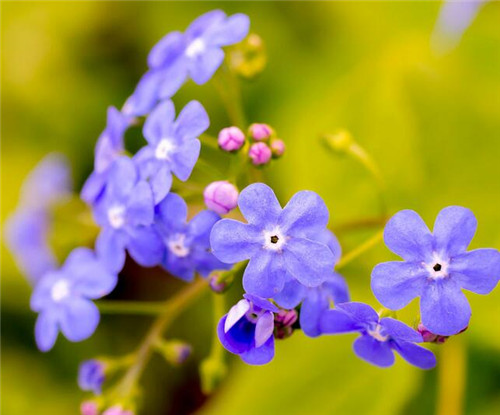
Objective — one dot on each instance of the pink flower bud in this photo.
(260, 153)
(221, 197)
(260, 132)
(89, 408)
(277, 147)
(283, 323)
(231, 139)
(117, 410)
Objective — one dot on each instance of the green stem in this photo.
(362, 223)
(148, 308)
(216, 351)
(361, 249)
(228, 88)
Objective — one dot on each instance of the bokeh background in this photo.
(430, 120)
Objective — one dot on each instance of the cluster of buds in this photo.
(262, 142)
(284, 321)
(430, 337)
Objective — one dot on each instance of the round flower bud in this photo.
(91, 376)
(260, 153)
(277, 147)
(117, 410)
(231, 139)
(283, 323)
(89, 408)
(220, 281)
(221, 197)
(260, 132)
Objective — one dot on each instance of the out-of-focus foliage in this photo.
(431, 122)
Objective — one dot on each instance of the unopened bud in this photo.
(89, 408)
(176, 352)
(277, 147)
(212, 372)
(430, 337)
(248, 58)
(231, 139)
(220, 281)
(283, 323)
(221, 197)
(259, 153)
(260, 132)
(117, 410)
(91, 375)
(339, 142)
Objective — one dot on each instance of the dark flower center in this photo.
(437, 267)
(274, 239)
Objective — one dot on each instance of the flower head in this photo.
(436, 268)
(277, 241)
(247, 330)
(379, 337)
(91, 376)
(187, 243)
(231, 139)
(259, 153)
(221, 197)
(126, 213)
(63, 298)
(173, 146)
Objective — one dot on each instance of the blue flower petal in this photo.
(122, 179)
(239, 339)
(337, 288)
(160, 123)
(292, 294)
(46, 330)
(110, 248)
(407, 235)
(161, 182)
(262, 303)
(167, 50)
(140, 209)
(337, 321)
(145, 246)
(172, 213)
(185, 158)
(305, 214)
(454, 229)
(260, 355)
(182, 268)
(202, 67)
(231, 31)
(205, 21)
(79, 319)
(416, 355)
(173, 78)
(313, 307)
(477, 271)
(145, 96)
(395, 283)
(444, 308)
(259, 205)
(264, 328)
(233, 241)
(200, 226)
(93, 188)
(264, 275)
(373, 351)
(192, 121)
(400, 331)
(360, 312)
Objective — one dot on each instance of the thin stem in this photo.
(228, 88)
(452, 372)
(361, 249)
(362, 223)
(148, 308)
(216, 351)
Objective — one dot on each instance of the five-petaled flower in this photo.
(379, 337)
(277, 241)
(436, 268)
(247, 330)
(91, 376)
(63, 298)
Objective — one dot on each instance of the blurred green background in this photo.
(431, 122)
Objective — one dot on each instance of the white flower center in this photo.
(377, 332)
(177, 246)
(60, 290)
(274, 239)
(195, 48)
(116, 216)
(437, 268)
(164, 149)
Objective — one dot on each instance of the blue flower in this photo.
(247, 330)
(379, 337)
(109, 147)
(436, 268)
(63, 298)
(91, 376)
(187, 244)
(315, 300)
(277, 241)
(173, 145)
(126, 213)
(197, 54)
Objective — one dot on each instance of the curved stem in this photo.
(361, 249)
(147, 308)
(229, 90)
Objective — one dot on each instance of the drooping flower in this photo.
(126, 214)
(277, 241)
(436, 268)
(315, 300)
(247, 330)
(231, 139)
(221, 197)
(187, 243)
(63, 298)
(379, 337)
(173, 146)
(259, 153)
(197, 53)
(109, 147)
(91, 376)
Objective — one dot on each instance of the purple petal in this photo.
(337, 288)
(201, 225)
(140, 209)
(454, 229)
(172, 213)
(313, 307)
(182, 268)
(231, 31)
(395, 284)
(259, 205)
(79, 319)
(262, 303)
(159, 124)
(233, 241)
(407, 235)
(400, 331)
(477, 271)
(192, 121)
(264, 275)
(236, 312)
(185, 158)
(122, 178)
(292, 294)
(360, 312)
(41, 297)
(337, 321)
(167, 50)
(161, 182)
(145, 96)
(46, 330)
(110, 249)
(307, 261)
(202, 67)
(205, 21)
(93, 188)
(239, 338)
(328, 238)
(416, 355)
(260, 355)
(264, 328)
(145, 246)
(444, 308)
(110, 143)
(373, 351)
(173, 78)
(305, 213)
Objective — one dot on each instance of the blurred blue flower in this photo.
(62, 298)
(379, 337)
(109, 147)
(277, 241)
(315, 300)
(91, 376)
(187, 244)
(173, 146)
(247, 330)
(197, 54)
(126, 213)
(436, 268)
